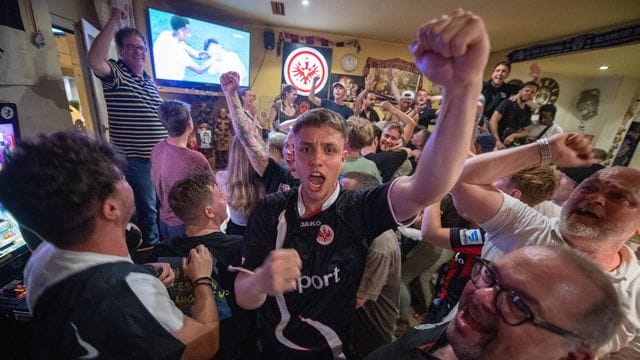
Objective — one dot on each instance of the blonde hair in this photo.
(536, 184)
(359, 133)
(243, 187)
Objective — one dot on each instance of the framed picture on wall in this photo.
(406, 75)
(353, 85)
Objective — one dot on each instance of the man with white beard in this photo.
(600, 215)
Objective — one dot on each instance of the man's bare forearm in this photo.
(245, 129)
(247, 291)
(444, 151)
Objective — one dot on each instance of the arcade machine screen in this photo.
(7, 142)
(13, 247)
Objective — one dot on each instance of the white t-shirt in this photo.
(517, 225)
(549, 209)
(49, 265)
(170, 57)
(227, 61)
(536, 129)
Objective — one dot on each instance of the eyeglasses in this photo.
(132, 47)
(510, 305)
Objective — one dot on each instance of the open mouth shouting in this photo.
(475, 319)
(316, 180)
(587, 213)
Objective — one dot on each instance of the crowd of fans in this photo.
(347, 231)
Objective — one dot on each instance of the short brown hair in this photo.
(188, 197)
(125, 33)
(536, 183)
(321, 117)
(394, 125)
(175, 116)
(360, 133)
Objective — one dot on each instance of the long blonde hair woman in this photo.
(242, 187)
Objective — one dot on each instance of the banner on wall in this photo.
(286, 37)
(624, 35)
(301, 63)
(407, 76)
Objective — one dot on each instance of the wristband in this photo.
(208, 278)
(544, 149)
(203, 283)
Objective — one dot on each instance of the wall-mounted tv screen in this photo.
(191, 53)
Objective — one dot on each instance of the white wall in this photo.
(616, 94)
(42, 107)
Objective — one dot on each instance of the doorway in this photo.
(75, 86)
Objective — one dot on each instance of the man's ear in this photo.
(208, 212)
(109, 209)
(516, 194)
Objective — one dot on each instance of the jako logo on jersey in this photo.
(304, 224)
(318, 282)
(325, 235)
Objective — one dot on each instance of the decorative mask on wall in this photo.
(588, 104)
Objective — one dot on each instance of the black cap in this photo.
(579, 174)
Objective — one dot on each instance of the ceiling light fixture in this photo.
(305, 2)
(603, 67)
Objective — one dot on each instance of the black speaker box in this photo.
(269, 40)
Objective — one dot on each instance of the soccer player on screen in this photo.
(172, 54)
(222, 61)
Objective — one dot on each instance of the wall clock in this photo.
(349, 62)
(548, 91)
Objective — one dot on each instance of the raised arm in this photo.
(200, 334)
(479, 200)
(368, 86)
(408, 122)
(432, 230)
(394, 85)
(244, 128)
(312, 94)
(97, 57)
(451, 51)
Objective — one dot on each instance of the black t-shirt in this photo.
(276, 178)
(493, 97)
(387, 162)
(373, 116)
(237, 332)
(513, 118)
(333, 246)
(343, 110)
(416, 343)
(427, 116)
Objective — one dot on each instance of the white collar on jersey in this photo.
(332, 199)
